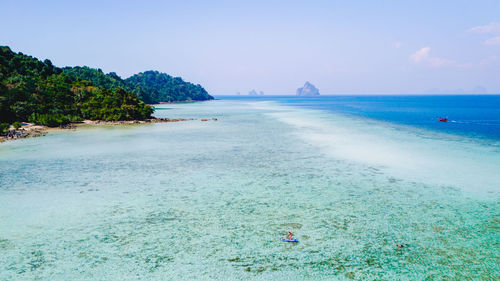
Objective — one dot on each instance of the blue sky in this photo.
(343, 47)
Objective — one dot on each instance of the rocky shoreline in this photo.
(128, 122)
(29, 130)
(26, 131)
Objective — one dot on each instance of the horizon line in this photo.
(374, 94)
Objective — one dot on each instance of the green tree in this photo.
(16, 125)
(4, 128)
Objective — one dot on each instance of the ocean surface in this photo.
(474, 115)
(351, 177)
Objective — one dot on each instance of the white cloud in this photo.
(420, 55)
(493, 27)
(492, 41)
(423, 56)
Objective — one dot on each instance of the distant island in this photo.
(254, 93)
(308, 90)
(36, 91)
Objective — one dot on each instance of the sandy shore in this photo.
(31, 130)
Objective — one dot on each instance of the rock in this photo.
(308, 90)
(253, 93)
(27, 132)
(68, 126)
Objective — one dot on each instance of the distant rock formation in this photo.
(254, 93)
(308, 90)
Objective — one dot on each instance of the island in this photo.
(36, 93)
(308, 90)
(152, 87)
(255, 93)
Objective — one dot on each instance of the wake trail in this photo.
(474, 123)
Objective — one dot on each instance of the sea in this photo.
(209, 198)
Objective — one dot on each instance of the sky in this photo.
(342, 47)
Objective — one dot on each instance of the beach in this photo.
(29, 130)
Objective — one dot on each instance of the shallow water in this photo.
(209, 200)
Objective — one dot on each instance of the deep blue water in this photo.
(472, 116)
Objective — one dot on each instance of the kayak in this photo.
(289, 240)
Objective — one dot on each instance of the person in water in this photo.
(401, 245)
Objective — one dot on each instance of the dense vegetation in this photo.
(37, 91)
(149, 86)
(161, 87)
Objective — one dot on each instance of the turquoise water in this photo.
(209, 200)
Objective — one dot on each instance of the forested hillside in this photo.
(149, 86)
(161, 87)
(37, 91)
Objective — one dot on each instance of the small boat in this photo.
(443, 119)
(289, 240)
